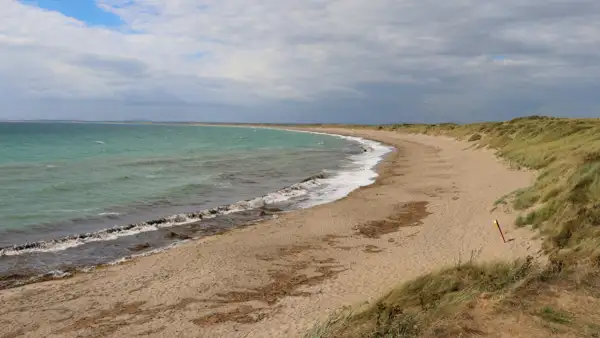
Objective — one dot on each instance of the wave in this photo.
(317, 189)
(109, 214)
(360, 173)
(26, 166)
(71, 241)
(16, 280)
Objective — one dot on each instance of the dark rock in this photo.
(157, 221)
(312, 178)
(197, 215)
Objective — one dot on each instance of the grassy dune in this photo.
(517, 297)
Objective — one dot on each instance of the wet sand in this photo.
(432, 206)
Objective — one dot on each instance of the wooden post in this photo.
(500, 229)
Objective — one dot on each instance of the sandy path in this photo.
(431, 207)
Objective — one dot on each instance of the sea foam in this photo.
(315, 190)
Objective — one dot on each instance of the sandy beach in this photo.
(432, 206)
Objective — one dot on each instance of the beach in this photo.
(432, 206)
(102, 192)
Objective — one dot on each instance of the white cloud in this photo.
(252, 52)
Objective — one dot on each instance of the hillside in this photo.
(509, 299)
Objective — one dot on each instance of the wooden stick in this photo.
(500, 229)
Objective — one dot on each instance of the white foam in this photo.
(314, 191)
(109, 214)
(103, 235)
(58, 274)
(361, 172)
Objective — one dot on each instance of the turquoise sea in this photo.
(80, 194)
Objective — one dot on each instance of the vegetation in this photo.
(563, 204)
(552, 315)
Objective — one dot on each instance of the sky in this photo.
(348, 61)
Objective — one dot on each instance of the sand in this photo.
(431, 207)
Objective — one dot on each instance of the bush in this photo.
(475, 137)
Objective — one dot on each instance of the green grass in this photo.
(563, 204)
(410, 309)
(566, 153)
(474, 137)
(555, 316)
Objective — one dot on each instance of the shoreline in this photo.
(303, 264)
(266, 206)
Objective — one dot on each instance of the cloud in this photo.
(295, 59)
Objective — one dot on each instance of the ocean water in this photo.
(74, 195)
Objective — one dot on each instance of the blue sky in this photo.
(298, 61)
(84, 10)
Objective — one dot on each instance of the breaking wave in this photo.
(317, 189)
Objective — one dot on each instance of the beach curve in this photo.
(430, 207)
(324, 187)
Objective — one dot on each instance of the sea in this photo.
(74, 195)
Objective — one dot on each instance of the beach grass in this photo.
(470, 299)
(410, 309)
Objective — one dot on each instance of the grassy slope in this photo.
(518, 297)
